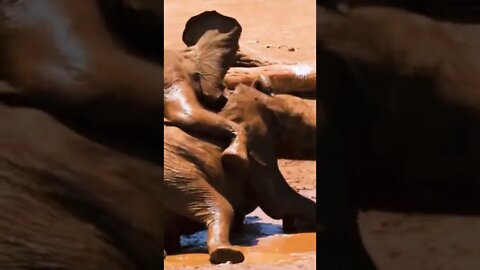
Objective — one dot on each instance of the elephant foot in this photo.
(226, 254)
(263, 84)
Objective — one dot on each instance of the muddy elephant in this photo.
(270, 76)
(63, 198)
(199, 189)
(98, 71)
(62, 208)
(293, 79)
(194, 80)
(108, 70)
(401, 98)
(193, 88)
(56, 60)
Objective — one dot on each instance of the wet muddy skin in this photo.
(262, 240)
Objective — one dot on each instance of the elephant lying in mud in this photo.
(102, 73)
(198, 190)
(98, 72)
(69, 202)
(401, 93)
(56, 60)
(272, 76)
(108, 70)
(63, 193)
(193, 84)
(194, 78)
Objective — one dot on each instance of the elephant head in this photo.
(208, 62)
(289, 121)
(213, 41)
(198, 25)
(275, 127)
(205, 62)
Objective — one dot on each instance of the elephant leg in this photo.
(263, 84)
(339, 239)
(280, 201)
(199, 202)
(292, 224)
(197, 119)
(238, 220)
(298, 80)
(288, 224)
(218, 242)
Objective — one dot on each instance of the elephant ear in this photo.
(198, 25)
(215, 41)
(213, 55)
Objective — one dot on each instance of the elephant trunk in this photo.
(277, 199)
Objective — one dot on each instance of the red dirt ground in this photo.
(270, 28)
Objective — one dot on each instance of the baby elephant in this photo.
(200, 192)
(193, 82)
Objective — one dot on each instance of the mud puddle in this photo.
(262, 241)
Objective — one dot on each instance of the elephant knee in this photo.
(222, 211)
(227, 211)
(241, 131)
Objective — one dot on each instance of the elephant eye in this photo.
(196, 76)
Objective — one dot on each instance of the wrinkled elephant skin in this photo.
(402, 99)
(193, 83)
(199, 188)
(71, 203)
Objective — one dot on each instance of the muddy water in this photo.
(262, 241)
(272, 249)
